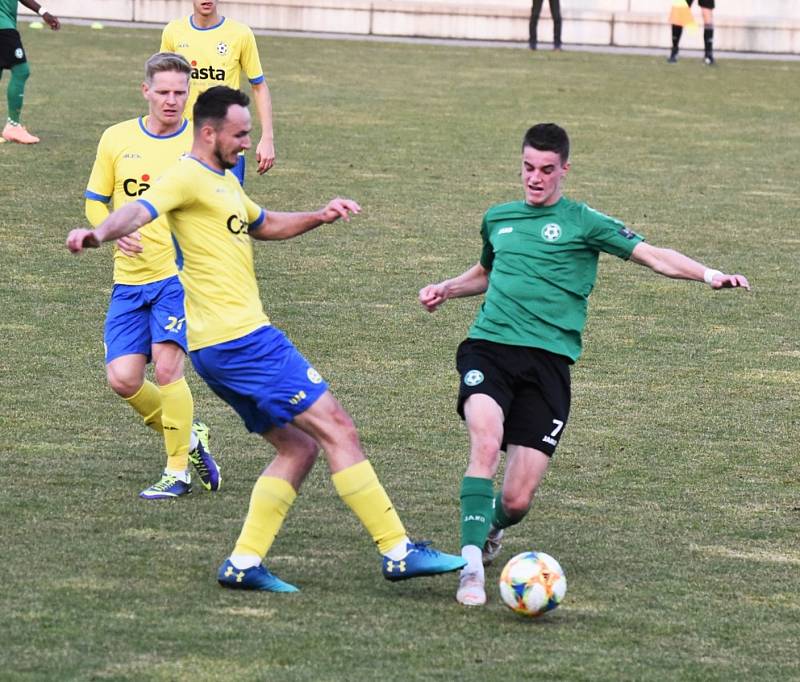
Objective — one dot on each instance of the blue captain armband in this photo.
(256, 80)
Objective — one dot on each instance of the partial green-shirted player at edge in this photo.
(249, 363)
(537, 268)
(14, 59)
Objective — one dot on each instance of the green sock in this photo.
(499, 517)
(476, 510)
(16, 90)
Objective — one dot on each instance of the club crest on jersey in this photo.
(473, 377)
(222, 48)
(207, 73)
(551, 232)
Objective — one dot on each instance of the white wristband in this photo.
(709, 275)
(41, 11)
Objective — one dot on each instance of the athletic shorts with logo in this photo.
(11, 50)
(140, 315)
(262, 376)
(531, 385)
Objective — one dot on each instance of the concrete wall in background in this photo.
(741, 25)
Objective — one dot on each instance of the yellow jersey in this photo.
(218, 54)
(210, 216)
(129, 160)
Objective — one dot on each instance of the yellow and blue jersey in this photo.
(129, 160)
(218, 54)
(210, 216)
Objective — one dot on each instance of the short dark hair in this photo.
(548, 137)
(212, 105)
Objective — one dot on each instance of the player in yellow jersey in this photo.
(146, 319)
(249, 363)
(220, 50)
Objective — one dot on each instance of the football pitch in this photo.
(673, 503)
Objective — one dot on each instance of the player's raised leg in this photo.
(357, 484)
(484, 418)
(272, 496)
(525, 469)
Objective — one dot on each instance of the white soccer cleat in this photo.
(471, 590)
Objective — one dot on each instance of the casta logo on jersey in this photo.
(207, 73)
(236, 225)
(135, 188)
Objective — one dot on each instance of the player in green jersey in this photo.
(245, 360)
(537, 269)
(13, 58)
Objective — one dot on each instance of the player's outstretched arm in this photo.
(120, 223)
(96, 212)
(674, 264)
(49, 19)
(473, 281)
(287, 225)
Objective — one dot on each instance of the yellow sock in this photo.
(269, 503)
(147, 402)
(177, 408)
(360, 489)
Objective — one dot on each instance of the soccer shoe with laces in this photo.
(420, 560)
(18, 133)
(202, 461)
(492, 546)
(166, 487)
(253, 578)
(471, 590)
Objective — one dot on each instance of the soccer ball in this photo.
(532, 583)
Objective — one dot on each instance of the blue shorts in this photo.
(140, 315)
(262, 376)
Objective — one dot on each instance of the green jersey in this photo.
(542, 263)
(8, 14)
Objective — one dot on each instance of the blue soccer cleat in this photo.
(204, 464)
(254, 578)
(421, 560)
(168, 486)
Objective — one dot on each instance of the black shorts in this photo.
(706, 4)
(11, 50)
(531, 385)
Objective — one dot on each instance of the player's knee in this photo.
(167, 372)
(308, 452)
(21, 72)
(485, 449)
(516, 503)
(124, 384)
(341, 426)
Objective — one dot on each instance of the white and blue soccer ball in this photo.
(532, 583)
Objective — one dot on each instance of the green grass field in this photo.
(674, 500)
